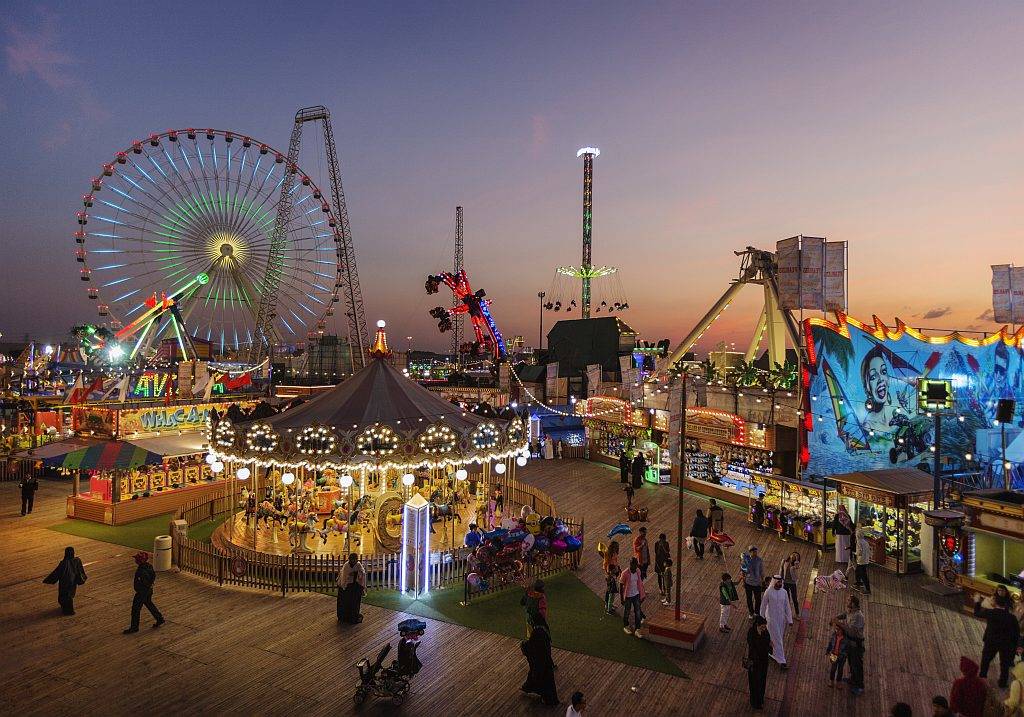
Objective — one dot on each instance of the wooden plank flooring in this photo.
(231, 651)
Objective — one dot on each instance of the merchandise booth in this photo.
(613, 426)
(891, 504)
(731, 459)
(130, 461)
(992, 542)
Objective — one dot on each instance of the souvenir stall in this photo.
(890, 503)
(336, 471)
(133, 461)
(991, 543)
(612, 426)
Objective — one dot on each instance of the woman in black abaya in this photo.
(68, 575)
(541, 679)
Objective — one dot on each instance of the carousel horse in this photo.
(268, 513)
(337, 522)
(305, 526)
(441, 509)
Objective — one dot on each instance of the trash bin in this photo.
(162, 553)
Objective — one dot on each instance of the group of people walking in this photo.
(70, 574)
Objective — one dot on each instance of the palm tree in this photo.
(746, 374)
(710, 371)
(783, 376)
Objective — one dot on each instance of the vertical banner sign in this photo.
(636, 389)
(625, 364)
(504, 377)
(593, 378)
(787, 258)
(185, 377)
(835, 276)
(1008, 293)
(1001, 300)
(812, 264)
(1017, 294)
(551, 386)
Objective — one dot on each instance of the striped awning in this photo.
(106, 456)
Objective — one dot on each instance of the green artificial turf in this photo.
(203, 530)
(137, 535)
(576, 615)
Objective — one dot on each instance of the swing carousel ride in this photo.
(333, 474)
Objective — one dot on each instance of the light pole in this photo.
(540, 337)
(679, 510)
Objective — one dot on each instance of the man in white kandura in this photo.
(778, 611)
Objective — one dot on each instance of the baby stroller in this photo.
(394, 681)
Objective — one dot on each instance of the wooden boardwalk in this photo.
(231, 651)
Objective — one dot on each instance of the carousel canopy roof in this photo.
(379, 393)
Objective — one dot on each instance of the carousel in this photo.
(335, 474)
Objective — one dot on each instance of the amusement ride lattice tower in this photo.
(347, 281)
(457, 320)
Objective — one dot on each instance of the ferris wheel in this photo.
(184, 220)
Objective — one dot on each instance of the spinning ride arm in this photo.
(471, 303)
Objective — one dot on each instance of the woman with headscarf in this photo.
(68, 575)
(842, 528)
(759, 649)
(541, 678)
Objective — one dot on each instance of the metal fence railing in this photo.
(243, 567)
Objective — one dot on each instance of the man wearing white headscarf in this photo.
(778, 611)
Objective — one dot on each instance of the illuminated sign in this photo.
(152, 384)
(934, 395)
(169, 418)
(863, 410)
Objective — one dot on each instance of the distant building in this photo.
(577, 343)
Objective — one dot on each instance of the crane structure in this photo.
(348, 276)
(457, 318)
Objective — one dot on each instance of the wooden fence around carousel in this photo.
(243, 567)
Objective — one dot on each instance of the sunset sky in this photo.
(898, 127)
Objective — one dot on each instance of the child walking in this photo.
(836, 651)
(666, 580)
(726, 597)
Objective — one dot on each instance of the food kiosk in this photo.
(890, 503)
(992, 551)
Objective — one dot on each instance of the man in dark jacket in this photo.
(145, 576)
(623, 467)
(1002, 633)
(29, 485)
(716, 516)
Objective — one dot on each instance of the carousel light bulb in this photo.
(210, 459)
(346, 481)
(1008, 466)
(461, 474)
(408, 479)
(217, 467)
(499, 468)
(243, 473)
(521, 461)
(288, 478)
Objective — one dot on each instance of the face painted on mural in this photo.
(877, 387)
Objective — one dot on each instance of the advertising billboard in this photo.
(862, 395)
